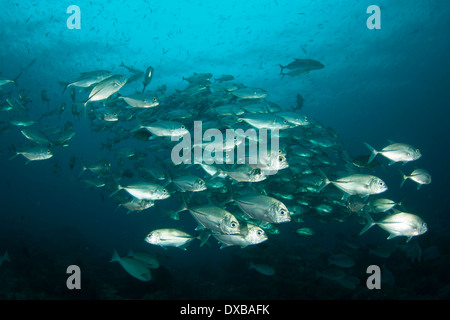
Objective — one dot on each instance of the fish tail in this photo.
(326, 181)
(204, 236)
(372, 149)
(115, 257)
(370, 224)
(119, 187)
(281, 71)
(404, 178)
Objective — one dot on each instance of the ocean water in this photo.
(376, 85)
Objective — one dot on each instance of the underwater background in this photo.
(376, 85)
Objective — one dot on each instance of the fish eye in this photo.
(284, 121)
(233, 224)
(306, 118)
(182, 126)
(154, 99)
(282, 212)
(259, 232)
(164, 190)
(280, 158)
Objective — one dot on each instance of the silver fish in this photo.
(361, 184)
(169, 237)
(396, 152)
(419, 176)
(250, 235)
(215, 219)
(264, 208)
(399, 224)
(145, 191)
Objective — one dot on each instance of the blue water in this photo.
(377, 85)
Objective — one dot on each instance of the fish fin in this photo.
(119, 187)
(391, 235)
(131, 253)
(14, 156)
(404, 177)
(115, 257)
(418, 186)
(372, 150)
(370, 224)
(325, 178)
(409, 239)
(204, 236)
(345, 196)
(391, 163)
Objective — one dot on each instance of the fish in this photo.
(266, 121)
(135, 268)
(141, 100)
(145, 191)
(147, 77)
(169, 237)
(137, 205)
(4, 81)
(164, 128)
(87, 79)
(264, 208)
(249, 235)
(399, 224)
(360, 184)
(262, 268)
(419, 176)
(35, 153)
(105, 88)
(303, 64)
(244, 173)
(396, 152)
(250, 93)
(213, 218)
(190, 183)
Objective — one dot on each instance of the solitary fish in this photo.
(396, 152)
(34, 153)
(361, 184)
(399, 224)
(147, 77)
(419, 176)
